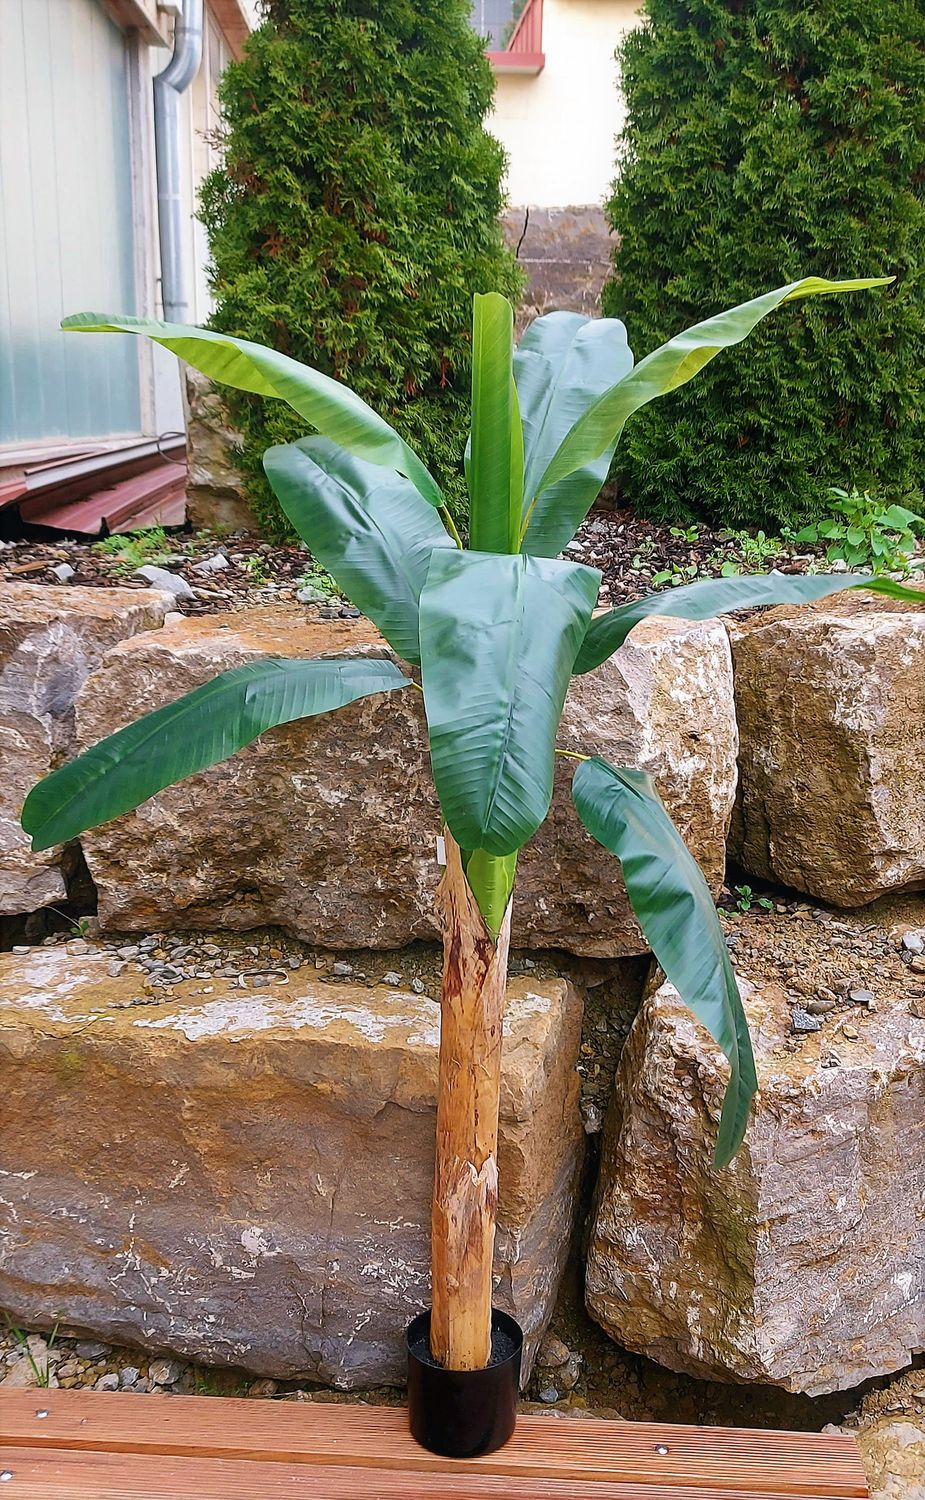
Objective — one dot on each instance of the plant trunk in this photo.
(468, 1092)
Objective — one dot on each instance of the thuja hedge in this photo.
(355, 213)
(766, 140)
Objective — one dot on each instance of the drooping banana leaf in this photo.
(661, 371)
(368, 526)
(195, 731)
(499, 636)
(674, 908)
(325, 403)
(495, 455)
(714, 596)
(563, 363)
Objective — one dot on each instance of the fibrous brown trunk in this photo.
(466, 1175)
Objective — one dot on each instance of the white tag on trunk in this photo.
(441, 849)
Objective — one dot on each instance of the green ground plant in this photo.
(133, 549)
(356, 206)
(495, 633)
(865, 532)
(764, 140)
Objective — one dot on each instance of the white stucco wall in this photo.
(558, 126)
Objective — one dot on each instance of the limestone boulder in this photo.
(831, 709)
(51, 639)
(215, 492)
(244, 1178)
(802, 1264)
(890, 1432)
(328, 827)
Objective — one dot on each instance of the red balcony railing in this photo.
(524, 50)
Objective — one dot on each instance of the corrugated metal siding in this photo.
(66, 221)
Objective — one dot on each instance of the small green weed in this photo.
(316, 578)
(42, 1373)
(675, 576)
(746, 899)
(688, 534)
(132, 549)
(865, 533)
(745, 553)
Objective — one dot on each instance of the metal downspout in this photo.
(168, 86)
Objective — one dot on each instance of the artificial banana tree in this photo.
(491, 633)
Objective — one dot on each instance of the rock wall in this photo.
(566, 255)
(830, 703)
(328, 827)
(51, 640)
(244, 1178)
(216, 497)
(803, 1263)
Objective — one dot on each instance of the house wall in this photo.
(558, 126)
(78, 215)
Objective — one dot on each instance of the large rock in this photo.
(216, 497)
(328, 827)
(244, 1178)
(803, 1263)
(51, 639)
(831, 709)
(890, 1431)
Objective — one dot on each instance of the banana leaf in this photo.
(195, 731)
(674, 908)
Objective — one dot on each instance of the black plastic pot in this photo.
(464, 1413)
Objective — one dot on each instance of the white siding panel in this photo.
(66, 221)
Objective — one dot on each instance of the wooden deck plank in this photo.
(89, 1444)
(53, 1474)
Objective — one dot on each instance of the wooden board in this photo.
(94, 1446)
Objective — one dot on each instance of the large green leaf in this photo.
(714, 596)
(495, 460)
(564, 362)
(188, 735)
(328, 405)
(498, 640)
(676, 362)
(674, 908)
(369, 527)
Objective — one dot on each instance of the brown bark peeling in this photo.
(466, 1174)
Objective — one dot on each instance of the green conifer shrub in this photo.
(355, 210)
(766, 140)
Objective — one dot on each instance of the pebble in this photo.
(850, 1033)
(418, 986)
(20, 1376)
(63, 572)
(88, 1349)
(164, 1372)
(802, 1021)
(77, 946)
(391, 978)
(862, 997)
(341, 969)
(571, 1373)
(820, 1007)
(914, 942)
(129, 1375)
(552, 1352)
(262, 1388)
(168, 583)
(108, 1382)
(215, 564)
(917, 965)
(550, 1395)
